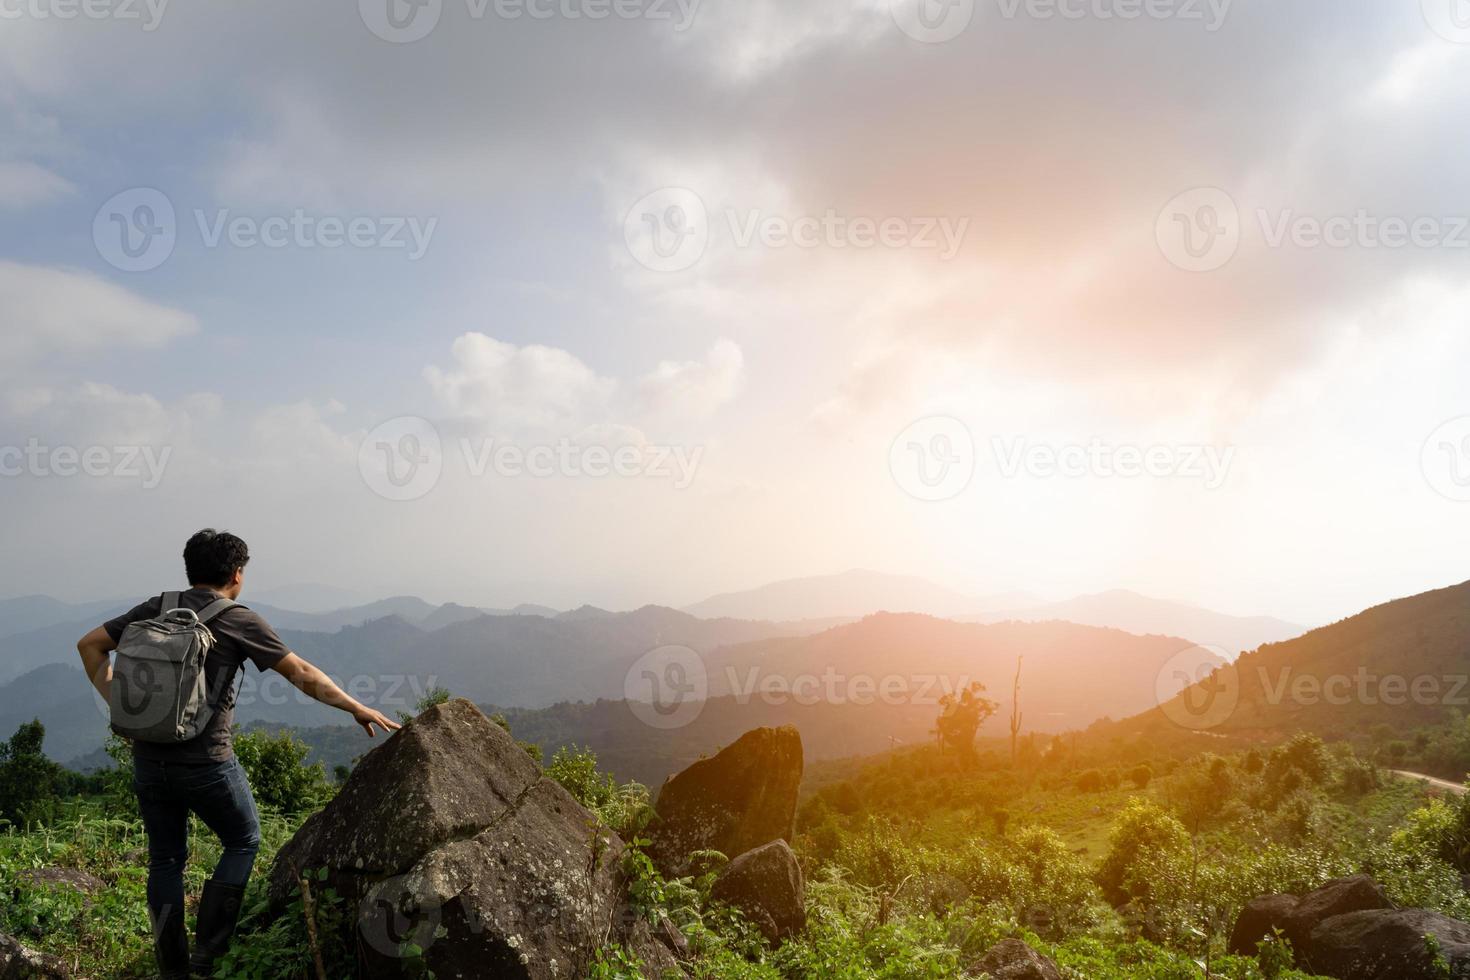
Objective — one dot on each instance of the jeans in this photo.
(220, 794)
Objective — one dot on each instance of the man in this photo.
(202, 774)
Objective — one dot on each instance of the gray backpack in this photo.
(159, 693)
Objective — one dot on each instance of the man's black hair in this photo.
(212, 557)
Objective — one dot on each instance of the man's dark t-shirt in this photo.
(242, 635)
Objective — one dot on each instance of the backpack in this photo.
(159, 693)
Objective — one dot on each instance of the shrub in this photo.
(1090, 781)
(279, 775)
(1147, 845)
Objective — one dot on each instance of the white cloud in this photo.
(68, 311)
(100, 414)
(516, 387)
(24, 184)
(694, 389)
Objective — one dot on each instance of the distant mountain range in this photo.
(854, 594)
(1141, 614)
(850, 595)
(1070, 675)
(889, 670)
(1404, 663)
(1085, 659)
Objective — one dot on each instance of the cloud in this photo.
(518, 387)
(24, 184)
(694, 389)
(92, 413)
(67, 311)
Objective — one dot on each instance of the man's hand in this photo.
(367, 718)
(310, 680)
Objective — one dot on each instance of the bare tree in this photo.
(1016, 710)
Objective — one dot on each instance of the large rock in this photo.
(450, 838)
(1354, 894)
(19, 963)
(69, 879)
(732, 803)
(1296, 917)
(1260, 917)
(1011, 959)
(766, 885)
(1390, 944)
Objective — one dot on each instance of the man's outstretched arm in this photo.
(95, 648)
(311, 681)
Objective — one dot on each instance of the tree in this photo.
(1015, 710)
(961, 716)
(30, 783)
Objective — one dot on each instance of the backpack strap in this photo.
(215, 608)
(168, 602)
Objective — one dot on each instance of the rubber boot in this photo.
(171, 944)
(219, 910)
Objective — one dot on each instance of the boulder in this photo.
(72, 879)
(1011, 959)
(1354, 894)
(1296, 917)
(1257, 921)
(734, 802)
(1390, 944)
(19, 963)
(669, 934)
(448, 837)
(766, 885)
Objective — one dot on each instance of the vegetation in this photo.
(1114, 861)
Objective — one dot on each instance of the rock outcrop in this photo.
(766, 885)
(449, 838)
(70, 879)
(1296, 917)
(1011, 959)
(1349, 930)
(19, 963)
(1259, 919)
(1390, 944)
(734, 802)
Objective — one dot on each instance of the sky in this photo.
(629, 301)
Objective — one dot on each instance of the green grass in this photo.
(106, 934)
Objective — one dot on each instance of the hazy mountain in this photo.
(1071, 676)
(25, 614)
(849, 595)
(1141, 614)
(410, 608)
(21, 653)
(59, 695)
(1405, 663)
(451, 613)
